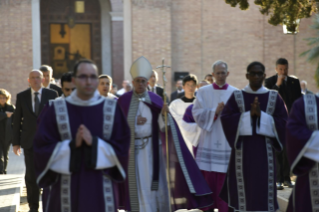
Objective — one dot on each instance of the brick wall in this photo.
(151, 36)
(205, 31)
(15, 45)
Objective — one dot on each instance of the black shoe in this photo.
(289, 184)
(280, 186)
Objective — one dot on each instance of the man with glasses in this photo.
(81, 147)
(289, 89)
(147, 188)
(213, 151)
(253, 121)
(67, 85)
(28, 108)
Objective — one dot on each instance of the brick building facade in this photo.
(190, 35)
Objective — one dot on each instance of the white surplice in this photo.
(177, 108)
(213, 149)
(149, 201)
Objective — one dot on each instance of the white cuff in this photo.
(266, 125)
(245, 124)
(61, 160)
(312, 150)
(106, 157)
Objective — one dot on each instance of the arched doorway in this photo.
(71, 30)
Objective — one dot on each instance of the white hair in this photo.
(219, 62)
(304, 81)
(36, 70)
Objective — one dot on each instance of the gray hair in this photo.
(304, 81)
(219, 62)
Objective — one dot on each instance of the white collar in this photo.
(47, 86)
(39, 91)
(261, 90)
(75, 100)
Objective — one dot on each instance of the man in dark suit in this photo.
(289, 89)
(154, 87)
(47, 72)
(179, 90)
(28, 107)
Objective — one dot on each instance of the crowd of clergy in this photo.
(209, 147)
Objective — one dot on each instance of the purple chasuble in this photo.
(188, 115)
(190, 189)
(86, 186)
(249, 185)
(299, 136)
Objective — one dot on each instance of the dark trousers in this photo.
(33, 191)
(283, 167)
(4, 156)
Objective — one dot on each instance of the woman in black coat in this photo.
(6, 112)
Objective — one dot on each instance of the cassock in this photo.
(146, 189)
(213, 151)
(81, 179)
(250, 184)
(177, 109)
(303, 153)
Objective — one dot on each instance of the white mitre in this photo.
(141, 68)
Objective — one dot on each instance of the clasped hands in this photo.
(255, 108)
(83, 135)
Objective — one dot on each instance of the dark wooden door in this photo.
(61, 13)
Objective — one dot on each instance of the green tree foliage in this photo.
(284, 12)
(313, 53)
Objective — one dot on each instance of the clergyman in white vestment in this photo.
(213, 150)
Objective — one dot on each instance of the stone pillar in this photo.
(106, 37)
(127, 30)
(36, 34)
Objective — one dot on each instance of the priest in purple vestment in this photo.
(147, 189)
(81, 148)
(303, 153)
(254, 122)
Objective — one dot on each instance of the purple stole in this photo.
(130, 107)
(190, 184)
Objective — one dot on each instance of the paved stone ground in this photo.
(11, 184)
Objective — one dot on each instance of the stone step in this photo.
(10, 189)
